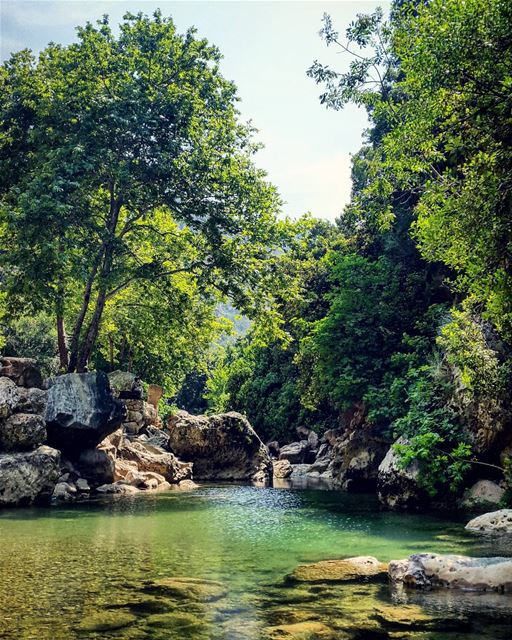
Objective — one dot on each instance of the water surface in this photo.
(63, 568)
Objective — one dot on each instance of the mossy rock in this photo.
(189, 589)
(361, 568)
(106, 621)
(176, 621)
(310, 630)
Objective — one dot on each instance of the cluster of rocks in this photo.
(87, 433)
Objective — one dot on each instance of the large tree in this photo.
(123, 164)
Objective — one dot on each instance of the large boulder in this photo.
(28, 477)
(397, 487)
(152, 458)
(96, 465)
(21, 432)
(81, 411)
(222, 447)
(32, 400)
(493, 522)
(282, 469)
(357, 569)
(428, 570)
(23, 371)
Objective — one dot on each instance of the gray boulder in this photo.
(31, 477)
(23, 371)
(493, 522)
(295, 452)
(81, 411)
(222, 447)
(430, 570)
(21, 432)
(397, 488)
(484, 494)
(32, 400)
(96, 465)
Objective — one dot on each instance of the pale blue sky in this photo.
(267, 47)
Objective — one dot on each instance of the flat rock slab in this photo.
(363, 568)
(194, 589)
(493, 522)
(429, 570)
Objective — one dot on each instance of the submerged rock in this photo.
(358, 568)
(28, 477)
(81, 411)
(195, 589)
(106, 621)
(427, 570)
(222, 447)
(494, 522)
(309, 630)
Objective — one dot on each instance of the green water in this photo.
(62, 567)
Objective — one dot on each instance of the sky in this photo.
(267, 48)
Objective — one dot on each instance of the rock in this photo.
(323, 461)
(360, 568)
(295, 452)
(123, 467)
(222, 447)
(81, 411)
(28, 477)
(397, 488)
(195, 589)
(308, 630)
(83, 485)
(356, 456)
(282, 469)
(117, 487)
(155, 393)
(144, 479)
(121, 381)
(313, 440)
(428, 570)
(21, 432)
(186, 485)
(23, 371)
(300, 470)
(494, 522)
(9, 397)
(64, 491)
(96, 465)
(114, 439)
(105, 621)
(150, 458)
(483, 494)
(32, 400)
(156, 437)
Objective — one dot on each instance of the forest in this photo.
(137, 232)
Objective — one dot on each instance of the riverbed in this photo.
(92, 570)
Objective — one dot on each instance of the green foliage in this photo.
(126, 176)
(33, 337)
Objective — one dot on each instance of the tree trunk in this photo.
(61, 341)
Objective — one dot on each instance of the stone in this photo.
(155, 393)
(21, 432)
(397, 488)
(429, 570)
(23, 371)
(282, 469)
(83, 485)
(179, 621)
(359, 568)
(32, 400)
(493, 522)
(30, 477)
(81, 411)
(150, 415)
(96, 465)
(222, 447)
(484, 494)
(150, 458)
(187, 485)
(121, 381)
(9, 397)
(295, 452)
(123, 467)
(273, 448)
(64, 491)
(300, 470)
(313, 440)
(323, 460)
(195, 589)
(156, 437)
(117, 487)
(308, 630)
(106, 621)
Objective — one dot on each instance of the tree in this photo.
(123, 164)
